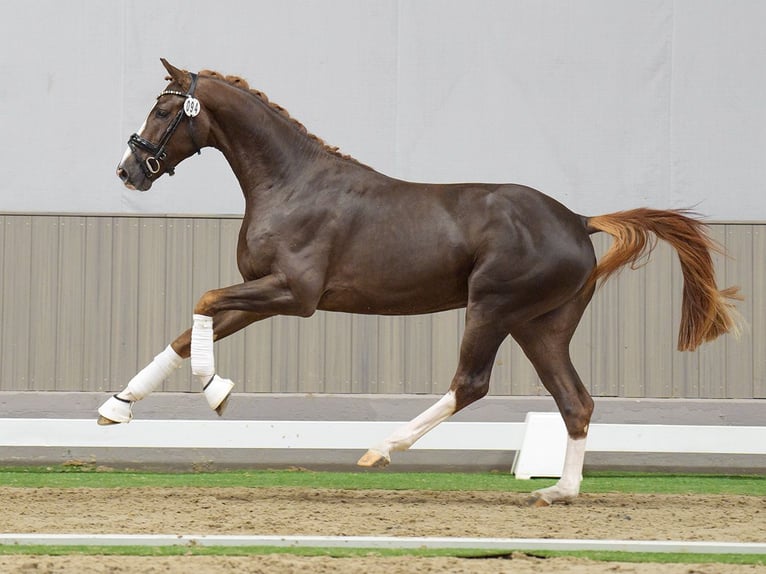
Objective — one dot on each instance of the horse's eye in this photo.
(162, 113)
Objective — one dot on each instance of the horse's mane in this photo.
(242, 84)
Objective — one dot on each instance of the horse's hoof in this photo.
(114, 411)
(537, 502)
(217, 392)
(103, 421)
(222, 407)
(373, 459)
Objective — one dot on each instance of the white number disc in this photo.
(191, 107)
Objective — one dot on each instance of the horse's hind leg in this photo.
(545, 341)
(479, 346)
(118, 408)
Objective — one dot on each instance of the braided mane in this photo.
(242, 84)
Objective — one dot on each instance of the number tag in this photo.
(191, 107)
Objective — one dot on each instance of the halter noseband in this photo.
(151, 165)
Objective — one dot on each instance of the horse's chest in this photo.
(255, 254)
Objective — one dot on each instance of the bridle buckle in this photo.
(153, 164)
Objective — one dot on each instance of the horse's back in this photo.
(415, 248)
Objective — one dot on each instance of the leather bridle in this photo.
(151, 165)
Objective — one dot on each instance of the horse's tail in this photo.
(706, 312)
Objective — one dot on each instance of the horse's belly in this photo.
(396, 299)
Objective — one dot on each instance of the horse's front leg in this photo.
(267, 296)
(118, 408)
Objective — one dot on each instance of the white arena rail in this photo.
(539, 442)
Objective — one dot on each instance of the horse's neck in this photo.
(263, 149)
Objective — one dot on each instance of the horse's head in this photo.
(163, 141)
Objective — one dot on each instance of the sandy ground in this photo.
(385, 513)
(271, 564)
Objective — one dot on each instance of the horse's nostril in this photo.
(122, 174)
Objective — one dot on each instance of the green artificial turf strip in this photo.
(601, 482)
(191, 550)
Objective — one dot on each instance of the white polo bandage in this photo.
(202, 358)
(150, 377)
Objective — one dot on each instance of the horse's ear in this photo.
(181, 77)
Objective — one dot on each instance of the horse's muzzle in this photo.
(122, 173)
(124, 176)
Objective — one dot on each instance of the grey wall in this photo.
(605, 105)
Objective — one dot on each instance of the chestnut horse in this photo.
(322, 231)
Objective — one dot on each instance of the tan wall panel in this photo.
(739, 269)
(124, 309)
(712, 356)
(390, 375)
(605, 347)
(336, 339)
(660, 333)
(71, 304)
(364, 355)
(757, 330)
(96, 330)
(43, 293)
(14, 327)
(87, 301)
(179, 293)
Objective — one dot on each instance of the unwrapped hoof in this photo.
(537, 501)
(373, 459)
(103, 421)
(222, 407)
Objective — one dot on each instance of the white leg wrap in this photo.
(150, 377)
(571, 477)
(215, 388)
(119, 407)
(405, 436)
(202, 358)
(568, 486)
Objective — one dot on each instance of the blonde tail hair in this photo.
(706, 311)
